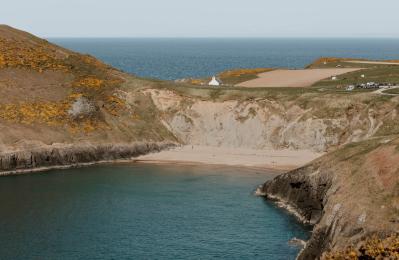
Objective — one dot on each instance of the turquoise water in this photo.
(135, 211)
(181, 58)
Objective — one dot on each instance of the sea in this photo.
(142, 211)
(171, 59)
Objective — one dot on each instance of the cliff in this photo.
(314, 121)
(63, 156)
(58, 107)
(350, 195)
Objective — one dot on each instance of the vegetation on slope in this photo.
(380, 73)
(372, 248)
(231, 77)
(70, 79)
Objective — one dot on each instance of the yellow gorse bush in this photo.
(28, 113)
(89, 82)
(373, 248)
(16, 54)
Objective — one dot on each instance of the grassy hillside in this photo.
(380, 73)
(51, 94)
(54, 98)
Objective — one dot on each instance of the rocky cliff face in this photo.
(349, 195)
(61, 155)
(268, 123)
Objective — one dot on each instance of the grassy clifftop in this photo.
(51, 94)
(53, 100)
(373, 71)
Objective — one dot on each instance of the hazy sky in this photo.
(203, 18)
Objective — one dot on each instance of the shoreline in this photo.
(275, 161)
(199, 164)
(65, 156)
(278, 160)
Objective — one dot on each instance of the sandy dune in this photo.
(271, 159)
(294, 78)
(373, 62)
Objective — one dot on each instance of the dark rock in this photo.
(50, 157)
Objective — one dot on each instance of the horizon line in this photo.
(220, 37)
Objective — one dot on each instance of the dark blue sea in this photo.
(182, 58)
(135, 211)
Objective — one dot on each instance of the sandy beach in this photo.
(294, 78)
(270, 159)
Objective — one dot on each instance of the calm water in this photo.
(182, 58)
(142, 212)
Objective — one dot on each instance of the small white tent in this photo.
(214, 82)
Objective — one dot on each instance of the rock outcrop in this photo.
(60, 155)
(349, 195)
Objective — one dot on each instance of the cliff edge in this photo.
(58, 107)
(351, 196)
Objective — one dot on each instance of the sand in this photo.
(294, 78)
(268, 159)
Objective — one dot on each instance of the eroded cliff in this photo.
(319, 123)
(350, 195)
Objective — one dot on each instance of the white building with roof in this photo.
(214, 82)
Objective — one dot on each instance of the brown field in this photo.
(294, 78)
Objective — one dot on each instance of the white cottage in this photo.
(214, 82)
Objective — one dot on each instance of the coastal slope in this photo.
(58, 107)
(351, 196)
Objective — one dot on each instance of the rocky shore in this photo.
(69, 155)
(349, 196)
(304, 196)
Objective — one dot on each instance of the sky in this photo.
(203, 18)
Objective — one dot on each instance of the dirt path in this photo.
(294, 78)
(381, 91)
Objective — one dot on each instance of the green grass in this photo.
(234, 77)
(373, 72)
(392, 91)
